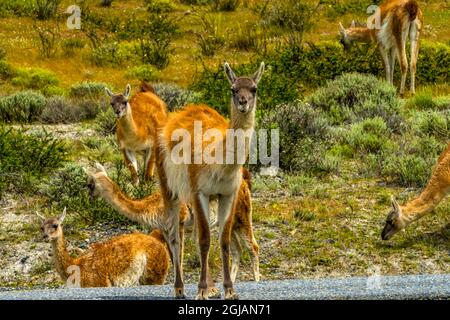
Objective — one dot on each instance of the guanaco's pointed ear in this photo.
(109, 92)
(127, 91)
(258, 74)
(63, 216)
(100, 168)
(229, 72)
(395, 205)
(342, 29)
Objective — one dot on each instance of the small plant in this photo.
(368, 136)
(225, 5)
(60, 110)
(160, 6)
(105, 122)
(209, 39)
(25, 106)
(48, 40)
(106, 3)
(432, 123)
(69, 46)
(7, 71)
(109, 54)
(46, 9)
(143, 72)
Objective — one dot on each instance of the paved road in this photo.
(382, 287)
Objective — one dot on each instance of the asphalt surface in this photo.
(375, 287)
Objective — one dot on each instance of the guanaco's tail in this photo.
(412, 7)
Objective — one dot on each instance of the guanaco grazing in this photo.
(149, 211)
(400, 216)
(134, 129)
(195, 182)
(123, 261)
(399, 20)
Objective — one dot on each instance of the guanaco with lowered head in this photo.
(149, 211)
(123, 261)
(399, 20)
(134, 129)
(400, 216)
(195, 182)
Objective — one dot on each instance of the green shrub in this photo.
(105, 122)
(2, 53)
(422, 100)
(355, 97)
(7, 71)
(174, 96)
(368, 136)
(25, 106)
(433, 65)
(143, 72)
(160, 6)
(196, 2)
(432, 123)
(84, 90)
(34, 78)
(46, 9)
(26, 158)
(19, 8)
(69, 46)
(305, 135)
(69, 188)
(109, 54)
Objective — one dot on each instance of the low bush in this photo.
(18, 8)
(368, 136)
(7, 71)
(175, 97)
(110, 54)
(209, 39)
(34, 78)
(26, 158)
(25, 106)
(106, 3)
(160, 6)
(70, 46)
(87, 90)
(61, 110)
(355, 97)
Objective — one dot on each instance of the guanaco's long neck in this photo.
(61, 257)
(361, 35)
(148, 211)
(424, 203)
(127, 122)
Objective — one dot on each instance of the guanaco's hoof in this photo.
(231, 295)
(214, 293)
(179, 294)
(202, 294)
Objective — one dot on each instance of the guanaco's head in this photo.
(244, 88)
(345, 39)
(95, 180)
(393, 221)
(52, 227)
(119, 102)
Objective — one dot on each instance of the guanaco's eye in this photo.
(253, 90)
(55, 226)
(233, 90)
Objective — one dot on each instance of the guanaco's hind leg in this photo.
(236, 252)
(227, 204)
(201, 205)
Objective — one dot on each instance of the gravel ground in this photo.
(375, 287)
